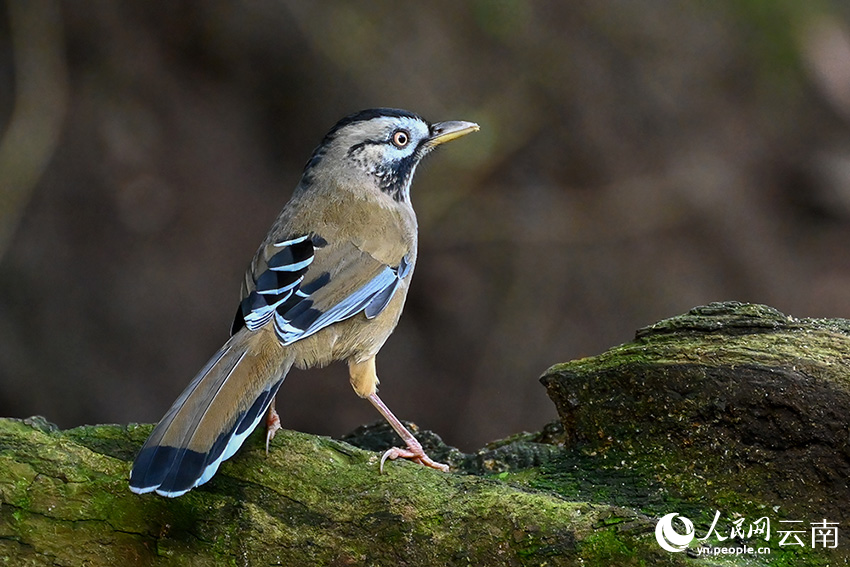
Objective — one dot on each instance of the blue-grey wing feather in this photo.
(379, 301)
(302, 320)
(287, 291)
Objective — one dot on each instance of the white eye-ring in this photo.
(401, 138)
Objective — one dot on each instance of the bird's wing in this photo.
(304, 284)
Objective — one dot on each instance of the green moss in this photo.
(311, 501)
(715, 410)
(604, 548)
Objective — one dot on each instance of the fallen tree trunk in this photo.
(313, 501)
(731, 408)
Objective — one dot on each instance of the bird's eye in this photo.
(401, 138)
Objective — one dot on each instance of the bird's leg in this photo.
(414, 450)
(272, 424)
(364, 380)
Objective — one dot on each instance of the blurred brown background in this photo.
(635, 159)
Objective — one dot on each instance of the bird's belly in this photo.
(355, 339)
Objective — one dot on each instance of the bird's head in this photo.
(382, 146)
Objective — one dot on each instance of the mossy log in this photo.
(730, 401)
(731, 407)
(312, 501)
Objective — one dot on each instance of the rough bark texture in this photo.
(730, 407)
(312, 501)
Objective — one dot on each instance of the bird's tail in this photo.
(213, 416)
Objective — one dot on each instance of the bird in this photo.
(328, 283)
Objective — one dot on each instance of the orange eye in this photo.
(401, 138)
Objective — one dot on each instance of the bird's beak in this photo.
(443, 132)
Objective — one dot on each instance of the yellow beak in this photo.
(443, 132)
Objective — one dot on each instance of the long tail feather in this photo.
(213, 416)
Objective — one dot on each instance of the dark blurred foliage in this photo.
(635, 159)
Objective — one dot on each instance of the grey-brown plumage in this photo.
(328, 283)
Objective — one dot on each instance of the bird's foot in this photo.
(272, 425)
(414, 450)
(415, 453)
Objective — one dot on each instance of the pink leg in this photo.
(272, 424)
(414, 450)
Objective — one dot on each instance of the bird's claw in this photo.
(415, 454)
